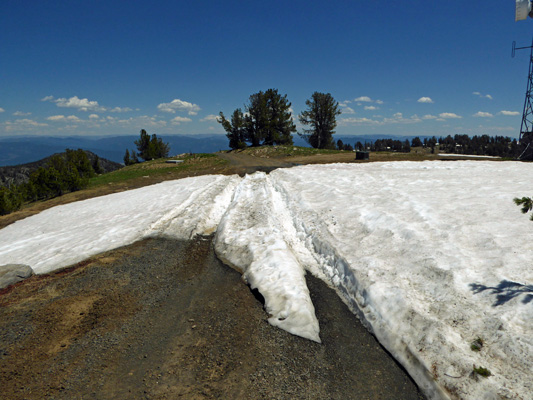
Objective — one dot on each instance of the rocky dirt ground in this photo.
(164, 319)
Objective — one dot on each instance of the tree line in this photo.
(484, 145)
(62, 173)
(267, 120)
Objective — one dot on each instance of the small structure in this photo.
(362, 155)
(174, 161)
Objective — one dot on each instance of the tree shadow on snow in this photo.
(506, 291)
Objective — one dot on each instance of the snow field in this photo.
(71, 233)
(415, 238)
(429, 255)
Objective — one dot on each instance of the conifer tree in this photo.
(320, 116)
(151, 147)
(267, 121)
(127, 160)
(235, 129)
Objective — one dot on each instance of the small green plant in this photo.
(477, 344)
(526, 203)
(481, 371)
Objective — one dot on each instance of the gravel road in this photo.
(164, 319)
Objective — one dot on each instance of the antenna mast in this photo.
(526, 128)
(523, 10)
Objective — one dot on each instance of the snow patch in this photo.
(71, 233)
(252, 237)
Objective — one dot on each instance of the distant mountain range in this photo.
(21, 150)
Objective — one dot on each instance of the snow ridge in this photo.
(252, 237)
(333, 269)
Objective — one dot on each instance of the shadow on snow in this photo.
(506, 291)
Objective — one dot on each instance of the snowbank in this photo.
(254, 236)
(430, 255)
(71, 233)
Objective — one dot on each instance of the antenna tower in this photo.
(523, 10)
(526, 128)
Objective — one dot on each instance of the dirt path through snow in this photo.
(165, 319)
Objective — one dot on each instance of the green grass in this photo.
(155, 168)
(285, 151)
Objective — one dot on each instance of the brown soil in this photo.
(164, 319)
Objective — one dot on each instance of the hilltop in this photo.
(17, 174)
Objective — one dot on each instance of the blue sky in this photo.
(414, 67)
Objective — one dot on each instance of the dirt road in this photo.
(245, 164)
(164, 319)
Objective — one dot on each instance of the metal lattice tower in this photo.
(526, 128)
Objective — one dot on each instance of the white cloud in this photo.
(62, 118)
(509, 113)
(22, 125)
(180, 105)
(356, 121)
(75, 102)
(80, 104)
(425, 100)
(347, 110)
(179, 120)
(21, 114)
(84, 104)
(447, 115)
(210, 118)
(120, 109)
(485, 96)
(2, 110)
(93, 116)
(364, 99)
(371, 108)
(135, 122)
(483, 114)
(429, 116)
(379, 101)
(397, 118)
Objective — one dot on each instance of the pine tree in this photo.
(96, 165)
(279, 125)
(267, 121)
(150, 148)
(235, 129)
(127, 160)
(143, 145)
(321, 117)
